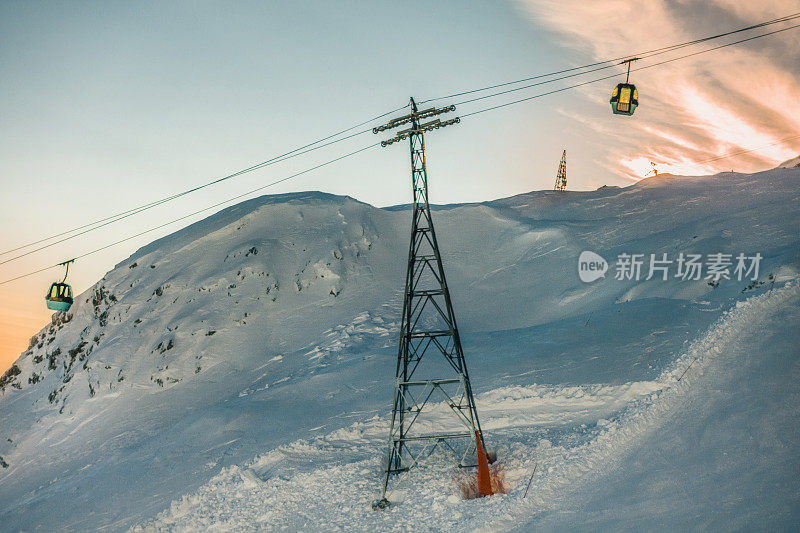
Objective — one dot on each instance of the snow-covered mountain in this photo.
(241, 368)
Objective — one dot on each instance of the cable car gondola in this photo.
(59, 297)
(625, 97)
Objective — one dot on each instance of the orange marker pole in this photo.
(484, 481)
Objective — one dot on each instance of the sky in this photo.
(109, 105)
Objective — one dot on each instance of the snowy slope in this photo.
(255, 495)
(241, 358)
(722, 451)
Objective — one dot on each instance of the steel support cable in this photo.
(738, 152)
(218, 204)
(506, 104)
(310, 147)
(643, 55)
(251, 169)
(745, 151)
(125, 214)
(499, 106)
(545, 82)
(716, 158)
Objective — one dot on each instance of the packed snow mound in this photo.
(791, 163)
(275, 320)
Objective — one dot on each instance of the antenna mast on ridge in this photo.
(561, 177)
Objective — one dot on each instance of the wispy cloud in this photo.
(735, 99)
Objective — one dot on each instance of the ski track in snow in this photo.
(572, 433)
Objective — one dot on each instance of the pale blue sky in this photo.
(107, 105)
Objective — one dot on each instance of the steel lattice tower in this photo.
(561, 176)
(430, 360)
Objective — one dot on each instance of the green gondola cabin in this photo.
(624, 99)
(59, 297)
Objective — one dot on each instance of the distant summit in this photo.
(795, 162)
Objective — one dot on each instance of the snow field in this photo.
(271, 325)
(328, 483)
